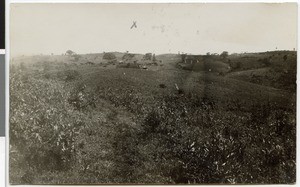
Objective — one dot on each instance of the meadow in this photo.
(73, 122)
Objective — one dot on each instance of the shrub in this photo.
(109, 56)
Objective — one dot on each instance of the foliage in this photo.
(109, 56)
(265, 61)
(224, 54)
(71, 75)
(128, 56)
(219, 146)
(43, 126)
(72, 127)
(147, 56)
(70, 52)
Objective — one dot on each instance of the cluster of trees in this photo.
(149, 56)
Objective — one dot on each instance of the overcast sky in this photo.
(161, 28)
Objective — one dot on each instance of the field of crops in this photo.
(80, 124)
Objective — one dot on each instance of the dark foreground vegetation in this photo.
(76, 123)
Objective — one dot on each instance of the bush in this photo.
(109, 56)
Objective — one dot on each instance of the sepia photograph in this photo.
(164, 93)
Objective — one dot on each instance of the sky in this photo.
(161, 28)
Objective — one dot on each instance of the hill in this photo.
(98, 123)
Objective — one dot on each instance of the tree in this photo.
(285, 57)
(153, 58)
(109, 56)
(224, 54)
(147, 56)
(70, 52)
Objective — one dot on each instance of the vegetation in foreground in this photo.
(73, 124)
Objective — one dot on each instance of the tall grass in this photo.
(65, 131)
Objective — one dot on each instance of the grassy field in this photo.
(78, 123)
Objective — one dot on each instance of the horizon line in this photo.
(180, 53)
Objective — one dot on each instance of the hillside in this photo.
(151, 121)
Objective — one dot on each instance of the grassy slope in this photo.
(101, 153)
